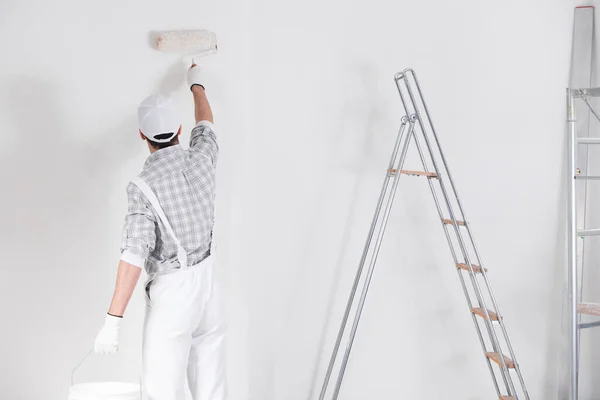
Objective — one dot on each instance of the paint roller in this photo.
(194, 43)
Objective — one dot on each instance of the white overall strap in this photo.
(181, 253)
(213, 246)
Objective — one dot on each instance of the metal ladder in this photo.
(576, 240)
(576, 236)
(417, 125)
(579, 112)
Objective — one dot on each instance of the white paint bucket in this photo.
(105, 391)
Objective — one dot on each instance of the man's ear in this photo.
(179, 131)
(142, 135)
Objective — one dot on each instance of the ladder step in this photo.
(497, 358)
(476, 268)
(588, 140)
(588, 308)
(481, 313)
(417, 173)
(449, 222)
(589, 232)
(507, 398)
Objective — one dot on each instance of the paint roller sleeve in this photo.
(199, 42)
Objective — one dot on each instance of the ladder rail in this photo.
(462, 244)
(583, 159)
(460, 275)
(469, 232)
(580, 116)
(472, 239)
(493, 336)
(572, 247)
(359, 273)
(453, 187)
(374, 256)
(470, 235)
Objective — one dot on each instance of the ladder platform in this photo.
(589, 232)
(497, 358)
(415, 173)
(460, 223)
(476, 268)
(588, 308)
(481, 313)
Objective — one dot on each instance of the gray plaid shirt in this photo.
(184, 183)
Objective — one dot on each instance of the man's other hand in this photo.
(107, 340)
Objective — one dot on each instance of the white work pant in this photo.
(183, 334)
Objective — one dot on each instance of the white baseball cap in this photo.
(158, 119)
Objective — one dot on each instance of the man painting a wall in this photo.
(168, 230)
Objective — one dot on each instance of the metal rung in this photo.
(476, 268)
(481, 313)
(416, 173)
(588, 308)
(461, 223)
(582, 140)
(496, 357)
(589, 325)
(589, 232)
(586, 177)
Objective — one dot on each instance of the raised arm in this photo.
(202, 110)
(203, 139)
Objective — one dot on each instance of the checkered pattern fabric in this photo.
(184, 183)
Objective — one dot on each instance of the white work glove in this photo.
(193, 76)
(107, 340)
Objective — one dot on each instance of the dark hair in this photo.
(170, 143)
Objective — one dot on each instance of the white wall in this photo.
(307, 113)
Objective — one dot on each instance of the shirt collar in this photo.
(166, 154)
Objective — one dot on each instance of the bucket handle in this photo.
(89, 353)
(79, 364)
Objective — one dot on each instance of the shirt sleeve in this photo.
(203, 140)
(139, 232)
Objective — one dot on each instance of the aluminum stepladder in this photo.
(579, 108)
(490, 328)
